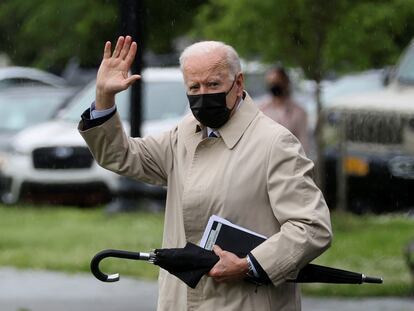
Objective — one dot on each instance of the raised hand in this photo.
(113, 74)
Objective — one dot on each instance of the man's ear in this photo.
(240, 84)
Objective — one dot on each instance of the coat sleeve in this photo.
(299, 207)
(146, 159)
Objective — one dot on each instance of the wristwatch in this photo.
(250, 273)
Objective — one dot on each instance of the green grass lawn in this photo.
(373, 245)
(65, 239)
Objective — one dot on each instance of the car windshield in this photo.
(406, 68)
(18, 112)
(352, 84)
(161, 100)
(164, 100)
(21, 82)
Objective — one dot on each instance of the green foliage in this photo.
(167, 20)
(292, 31)
(372, 35)
(316, 35)
(47, 33)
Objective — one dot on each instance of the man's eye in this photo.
(213, 84)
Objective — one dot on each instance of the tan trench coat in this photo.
(256, 175)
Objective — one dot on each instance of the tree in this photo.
(343, 35)
(371, 35)
(167, 20)
(47, 33)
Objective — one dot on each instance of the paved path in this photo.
(50, 291)
(25, 290)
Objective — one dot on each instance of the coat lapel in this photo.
(192, 133)
(234, 129)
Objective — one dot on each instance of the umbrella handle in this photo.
(370, 279)
(117, 254)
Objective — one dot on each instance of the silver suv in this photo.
(369, 138)
(51, 162)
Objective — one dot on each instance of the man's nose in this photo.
(203, 89)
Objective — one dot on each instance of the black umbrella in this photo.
(190, 263)
(320, 274)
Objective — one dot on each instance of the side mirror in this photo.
(387, 75)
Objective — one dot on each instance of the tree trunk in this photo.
(320, 167)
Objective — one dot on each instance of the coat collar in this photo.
(232, 131)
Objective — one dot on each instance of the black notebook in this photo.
(230, 237)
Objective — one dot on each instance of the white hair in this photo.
(204, 47)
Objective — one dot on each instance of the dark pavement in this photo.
(27, 290)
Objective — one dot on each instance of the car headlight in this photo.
(402, 166)
(3, 160)
(15, 150)
(330, 129)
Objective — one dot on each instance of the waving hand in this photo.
(113, 74)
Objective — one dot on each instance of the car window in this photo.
(352, 84)
(19, 112)
(84, 99)
(162, 100)
(406, 67)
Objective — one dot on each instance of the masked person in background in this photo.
(227, 159)
(281, 108)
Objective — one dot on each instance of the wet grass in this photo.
(373, 245)
(65, 239)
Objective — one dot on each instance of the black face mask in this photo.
(277, 90)
(210, 109)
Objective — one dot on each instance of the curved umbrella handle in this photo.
(118, 254)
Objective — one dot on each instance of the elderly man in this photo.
(228, 159)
